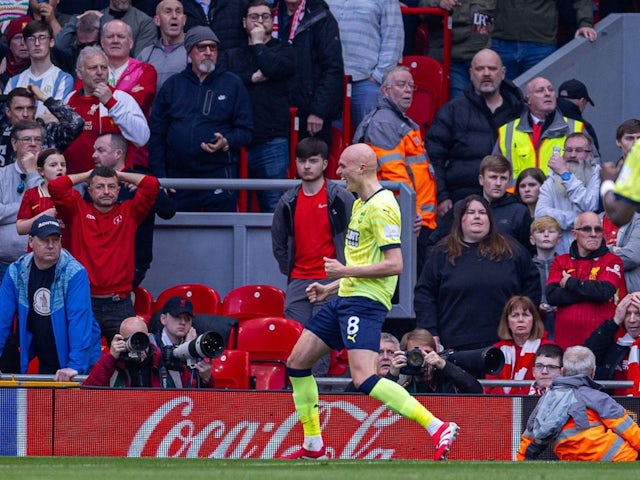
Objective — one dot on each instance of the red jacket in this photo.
(104, 242)
(589, 297)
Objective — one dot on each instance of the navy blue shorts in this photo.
(351, 322)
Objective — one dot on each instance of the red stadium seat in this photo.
(269, 341)
(428, 75)
(250, 301)
(143, 301)
(231, 370)
(204, 298)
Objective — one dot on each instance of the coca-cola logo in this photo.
(158, 437)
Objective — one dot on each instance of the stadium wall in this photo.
(232, 425)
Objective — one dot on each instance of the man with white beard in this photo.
(573, 186)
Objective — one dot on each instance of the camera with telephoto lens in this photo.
(208, 345)
(415, 360)
(477, 362)
(136, 344)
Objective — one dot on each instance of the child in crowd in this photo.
(546, 365)
(545, 235)
(37, 201)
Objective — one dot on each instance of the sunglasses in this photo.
(589, 229)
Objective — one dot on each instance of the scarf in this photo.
(15, 66)
(518, 361)
(295, 21)
(633, 373)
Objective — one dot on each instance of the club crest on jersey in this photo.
(117, 219)
(353, 238)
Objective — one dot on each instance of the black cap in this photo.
(178, 305)
(44, 226)
(574, 89)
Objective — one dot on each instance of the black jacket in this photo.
(319, 64)
(463, 132)
(608, 353)
(571, 110)
(269, 99)
(224, 18)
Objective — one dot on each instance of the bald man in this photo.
(364, 284)
(585, 284)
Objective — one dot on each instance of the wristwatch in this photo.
(566, 176)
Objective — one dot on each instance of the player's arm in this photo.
(391, 264)
(619, 210)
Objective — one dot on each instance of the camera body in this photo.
(415, 360)
(207, 345)
(477, 362)
(136, 344)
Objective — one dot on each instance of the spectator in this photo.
(524, 34)
(472, 23)
(224, 17)
(388, 346)
(572, 101)
(528, 141)
(545, 235)
(465, 129)
(45, 12)
(110, 150)
(129, 75)
(37, 200)
(120, 367)
(26, 139)
(266, 66)
(626, 135)
(48, 290)
(87, 35)
(521, 332)
(103, 234)
(436, 375)
(573, 186)
(310, 27)
(365, 284)
(624, 241)
(528, 186)
(143, 29)
(615, 344)
(200, 119)
(581, 422)
(104, 109)
(461, 312)
(176, 317)
(43, 74)
(398, 144)
(372, 38)
(59, 133)
(511, 216)
(309, 224)
(546, 366)
(167, 54)
(585, 284)
(17, 59)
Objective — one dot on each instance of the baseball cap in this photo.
(16, 26)
(198, 34)
(44, 226)
(574, 89)
(178, 305)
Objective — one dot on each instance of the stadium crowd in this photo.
(101, 98)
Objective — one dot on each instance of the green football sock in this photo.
(399, 400)
(305, 398)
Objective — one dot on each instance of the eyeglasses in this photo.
(254, 17)
(403, 85)
(202, 48)
(30, 139)
(550, 368)
(23, 178)
(589, 229)
(577, 150)
(38, 38)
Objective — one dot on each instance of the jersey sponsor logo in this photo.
(353, 238)
(615, 270)
(42, 301)
(89, 216)
(391, 231)
(322, 205)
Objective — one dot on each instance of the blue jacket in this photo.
(186, 113)
(75, 330)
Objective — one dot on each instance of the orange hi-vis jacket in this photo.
(597, 429)
(399, 146)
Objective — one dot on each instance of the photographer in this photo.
(122, 367)
(177, 317)
(434, 374)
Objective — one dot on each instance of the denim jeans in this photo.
(364, 96)
(269, 160)
(459, 78)
(518, 57)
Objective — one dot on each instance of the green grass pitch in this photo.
(72, 468)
